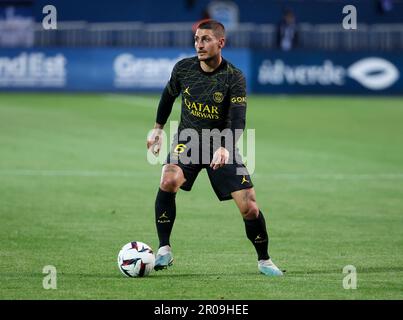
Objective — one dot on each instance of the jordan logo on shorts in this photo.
(244, 180)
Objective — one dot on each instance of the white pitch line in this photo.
(138, 101)
(70, 173)
(135, 100)
(337, 176)
(284, 176)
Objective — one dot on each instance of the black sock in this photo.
(257, 234)
(165, 213)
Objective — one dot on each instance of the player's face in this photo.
(207, 44)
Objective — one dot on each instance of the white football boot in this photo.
(164, 258)
(268, 268)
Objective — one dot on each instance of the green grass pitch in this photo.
(76, 186)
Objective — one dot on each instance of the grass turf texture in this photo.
(76, 186)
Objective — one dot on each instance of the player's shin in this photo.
(165, 213)
(257, 233)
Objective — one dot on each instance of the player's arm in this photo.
(165, 105)
(237, 109)
(237, 116)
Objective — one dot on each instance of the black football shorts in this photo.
(225, 180)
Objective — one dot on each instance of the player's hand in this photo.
(220, 158)
(154, 140)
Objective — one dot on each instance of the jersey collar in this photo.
(219, 68)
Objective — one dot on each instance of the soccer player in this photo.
(213, 97)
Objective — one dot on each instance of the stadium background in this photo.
(76, 104)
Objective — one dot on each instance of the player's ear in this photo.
(221, 43)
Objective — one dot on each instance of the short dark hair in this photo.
(210, 24)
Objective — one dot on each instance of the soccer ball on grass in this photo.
(136, 259)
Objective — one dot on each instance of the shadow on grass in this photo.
(166, 274)
(173, 274)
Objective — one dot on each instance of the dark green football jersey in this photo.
(207, 97)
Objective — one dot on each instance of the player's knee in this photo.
(169, 184)
(250, 211)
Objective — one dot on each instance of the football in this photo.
(136, 259)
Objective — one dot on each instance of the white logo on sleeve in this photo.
(374, 73)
